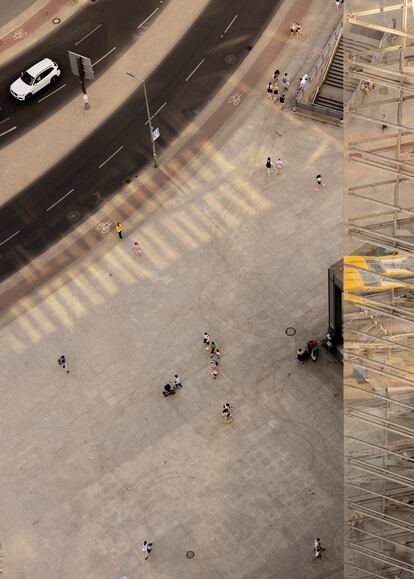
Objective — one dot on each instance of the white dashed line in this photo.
(87, 35)
(196, 68)
(156, 113)
(104, 56)
(10, 237)
(50, 94)
(61, 199)
(230, 24)
(109, 158)
(146, 19)
(8, 131)
(4, 120)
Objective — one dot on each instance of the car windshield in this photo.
(27, 78)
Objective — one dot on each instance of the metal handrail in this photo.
(326, 56)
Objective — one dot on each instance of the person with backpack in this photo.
(269, 166)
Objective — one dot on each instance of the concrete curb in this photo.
(136, 201)
(35, 152)
(35, 23)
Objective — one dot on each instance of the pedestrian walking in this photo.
(338, 3)
(317, 549)
(206, 340)
(226, 413)
(286, 81)
(269, 90)
(293, 29)
(63, 363)
(276, 75)
(282, 99)
(177, 381)
(383, 126)
(304, 81)
(269, 166)
(218, 354)
(214, 368)
(137, 249)
(213, 348)
(319, 182)
(275, 92)
(147, 548)
(118, 228)
(279, 166)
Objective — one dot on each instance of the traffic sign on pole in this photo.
(155, 134)
(85, 65)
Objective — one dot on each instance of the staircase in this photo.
(334, 91)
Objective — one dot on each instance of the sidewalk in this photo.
(12, 10)
(35, 152)
(33, 23)
(96, 461)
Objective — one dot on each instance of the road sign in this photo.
(85, 62)
(155, 134)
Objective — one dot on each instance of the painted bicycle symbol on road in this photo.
(235, 99)
(20, 33)
(105, 226)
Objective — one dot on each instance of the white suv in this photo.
(34, 79)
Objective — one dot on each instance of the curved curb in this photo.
(40, 17)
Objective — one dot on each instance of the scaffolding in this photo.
(379, 295)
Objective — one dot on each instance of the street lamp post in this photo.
(154, 150)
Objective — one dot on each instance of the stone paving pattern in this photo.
(96, 461)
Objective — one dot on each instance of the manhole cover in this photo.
(73, 216)
(190, 554)
(383, 90)
(230, 59)
(290, 331)
(56, 21)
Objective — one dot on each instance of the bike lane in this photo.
(46, 14)
(89, 235)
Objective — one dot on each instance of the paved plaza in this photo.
(97, 460)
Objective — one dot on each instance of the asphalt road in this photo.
(178, 89)
(102, 31)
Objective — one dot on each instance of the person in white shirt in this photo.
(147, 548)
(177, 381)
(279, 166)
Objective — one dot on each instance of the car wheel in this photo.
(53, 79)
(28, 97)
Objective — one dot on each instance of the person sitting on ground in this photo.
(302, 354)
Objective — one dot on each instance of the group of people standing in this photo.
(272, 88)
(215, 356)
(312, 352)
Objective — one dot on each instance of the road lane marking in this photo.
(228, 27)
(104, 56)
(146, 19)
(196, 68)
(109, 158)
(156, 113)
(8, 131)
(10, 237)
(50, 94)
(5, 120)
(87, 35)
(59, 200)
